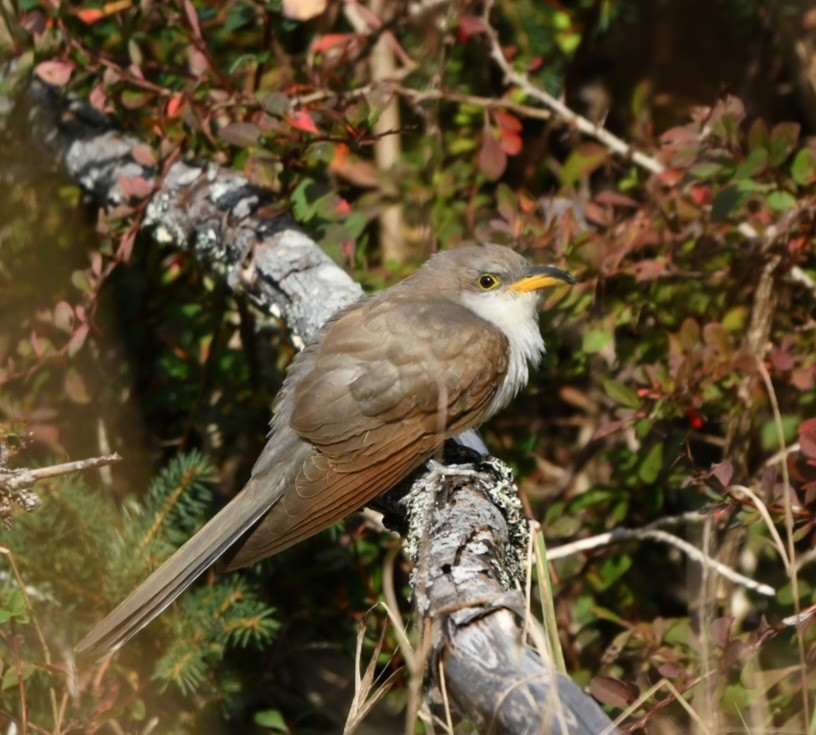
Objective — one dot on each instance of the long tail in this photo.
(151, 597)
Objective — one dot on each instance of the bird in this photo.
(370, 398)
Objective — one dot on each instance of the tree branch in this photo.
(15, 483)
(467, 540)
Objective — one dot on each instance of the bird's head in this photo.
(493, 281)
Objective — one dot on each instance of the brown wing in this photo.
(389, 382)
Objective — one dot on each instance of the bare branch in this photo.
(653, 534)
(15, 484)
(579, 122)
(14, 480)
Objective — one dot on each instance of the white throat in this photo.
(515, 314)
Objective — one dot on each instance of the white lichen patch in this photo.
(493, 478)
(162, 235)
(182, 175)
(245, 207)
(219, 189)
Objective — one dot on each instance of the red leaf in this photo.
(143, 155)
(803, 378)
(615, 199)
(192, 18)
(330, 40)
(701, 194)
(135, 187)
(648, 270)
(470, 25)
(55, 72)
(173, 107)
(671, 176)
(723, 471)
(535, 64)
(492, 158)
(302, 120)
(807, 438)
(808, 426)
(510, 142)
(677, 135)
(720, 631)
(609, 690)
(506, 121)
(670, 670)
(89, 16)
(98, 98)
(77, 340)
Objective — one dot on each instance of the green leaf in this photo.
(14, 608)
(610, 570)
(271, 719)
(652, 463)
(758, 136)
(622, 395)
(803, 168)
(753, 165)
(11, 677)
(302, 208)
(582, 162)
(780, 200)
(705, 170)
(770, 435)
(730, 198)
(240, 15)
(783, 140)
(595, 340)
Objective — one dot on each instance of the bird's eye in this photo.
(488, 281)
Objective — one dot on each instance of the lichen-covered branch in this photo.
(467, 542)
(15, 484)
(208, 209)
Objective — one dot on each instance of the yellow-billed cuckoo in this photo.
(376, 392)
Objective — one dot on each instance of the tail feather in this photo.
(175, 575)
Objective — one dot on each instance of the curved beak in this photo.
(540, 276)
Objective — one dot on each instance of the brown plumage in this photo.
(366, 402)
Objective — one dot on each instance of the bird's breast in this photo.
(516, 316)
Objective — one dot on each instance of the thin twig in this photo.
(579, 122)
(680, 699)
(446, 95)
(654, 534)
(445, 700)
(799, 275)
(13, 480)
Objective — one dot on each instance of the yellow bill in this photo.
(541, 276)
